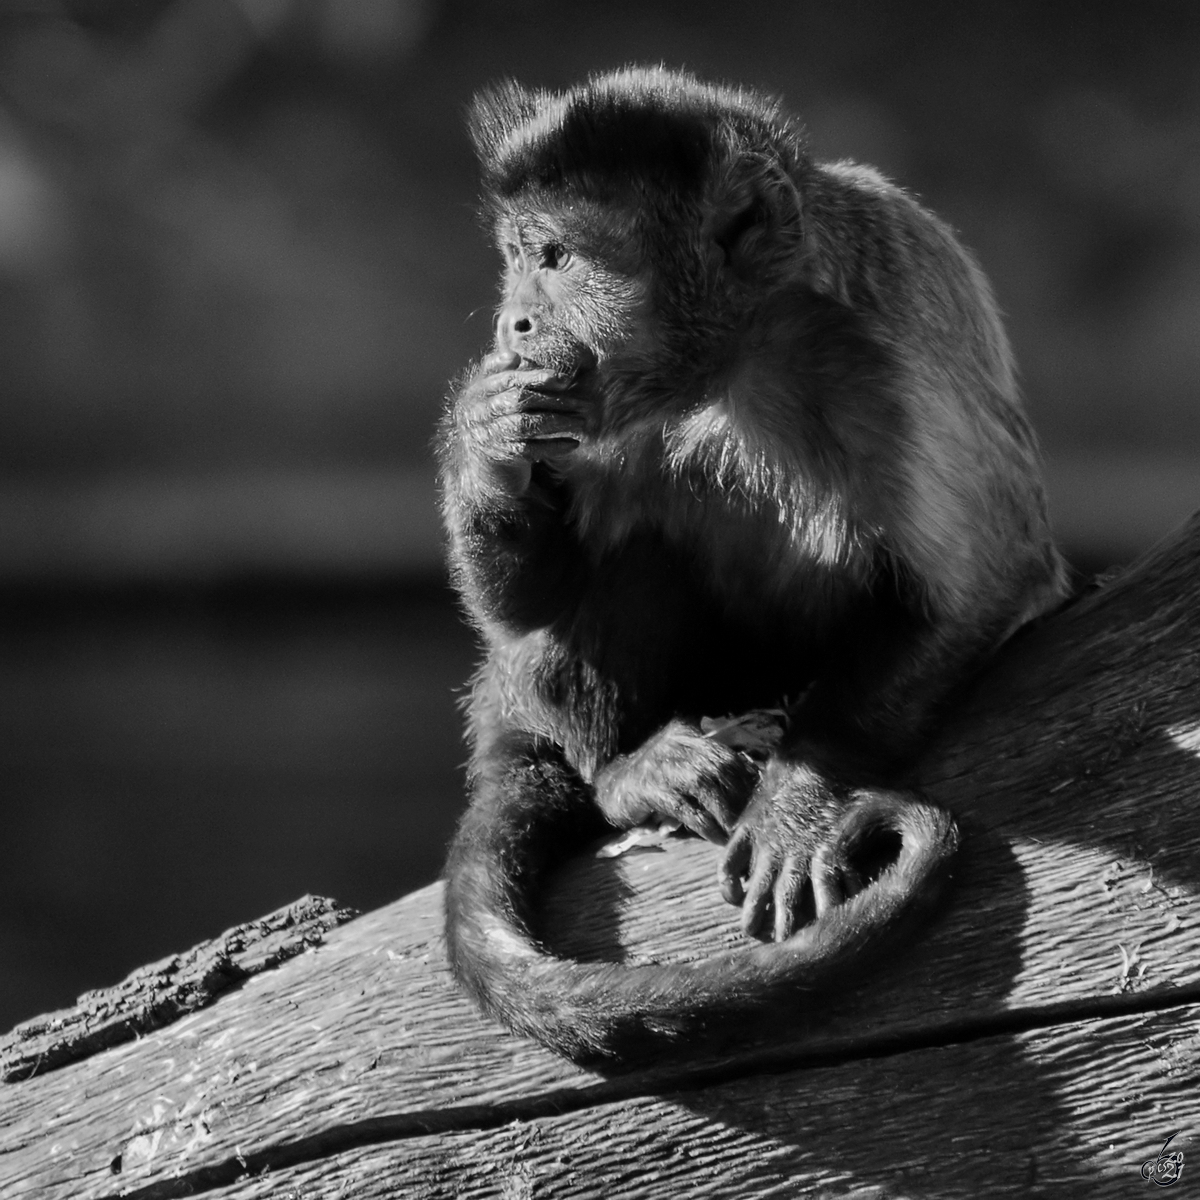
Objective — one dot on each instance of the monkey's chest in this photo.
(655, 627)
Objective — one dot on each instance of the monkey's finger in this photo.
(557, 386)
(758, 892)
(712, 796)
(535, 399)
(696, 820)
(527, 405)
(535, 425)
(512, 381)
(734, 867)
(828, 885)
(521, 432)
(499, 360)
(788, 894)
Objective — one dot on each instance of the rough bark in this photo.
(162, 992)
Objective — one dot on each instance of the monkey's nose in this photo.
(514, 324)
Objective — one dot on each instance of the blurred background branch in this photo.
(238, 263)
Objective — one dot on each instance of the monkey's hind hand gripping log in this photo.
(589, 1010)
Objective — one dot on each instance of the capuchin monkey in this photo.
(741, 492)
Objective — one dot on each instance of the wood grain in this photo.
(1072, 1111)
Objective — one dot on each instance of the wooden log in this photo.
(1040, 1034)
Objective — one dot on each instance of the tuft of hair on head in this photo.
(495, 114)
(632, 128)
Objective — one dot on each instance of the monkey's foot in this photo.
(799, 853)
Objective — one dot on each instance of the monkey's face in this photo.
(647, 303)
(586, 293)
(573, 293)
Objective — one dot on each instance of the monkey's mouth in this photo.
(568, 360)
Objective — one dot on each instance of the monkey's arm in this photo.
(513, 557)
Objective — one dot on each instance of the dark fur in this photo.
(757, 437)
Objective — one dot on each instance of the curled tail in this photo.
(588, 1010)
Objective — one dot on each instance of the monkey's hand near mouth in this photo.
(510, 416)
(511, 549)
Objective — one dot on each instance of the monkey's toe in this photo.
(830, 881)
(788, 897)
(735, 865)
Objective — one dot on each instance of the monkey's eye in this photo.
(555, 257)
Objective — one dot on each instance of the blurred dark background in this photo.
(238, 263)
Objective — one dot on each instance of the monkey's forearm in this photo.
(511, 552)
(520, 569)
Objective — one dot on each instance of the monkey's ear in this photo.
(733, 234)
(755, 207)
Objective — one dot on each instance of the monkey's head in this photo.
(639, 216)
